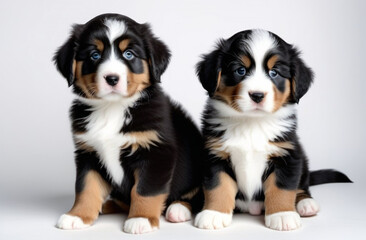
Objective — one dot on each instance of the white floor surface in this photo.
(342, 216)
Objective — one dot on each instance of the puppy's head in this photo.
(254, 72)
(111, 57)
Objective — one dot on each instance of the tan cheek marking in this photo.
(99, 44)
(124, 44)
(272, 61)
(277, 200)
(88, 202)
(86, 82)
(149, 207)
(138, 82)
(215, 146)
(246, 61)
(114, 206)
(229, 95)
(281, 98)
(222, 198)
(235, 97)
(143, 139)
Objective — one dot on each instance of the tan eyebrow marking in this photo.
(124, 44)
(246, 61)
(99, 44)
(272, 61)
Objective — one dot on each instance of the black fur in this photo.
(66, 54)
(327, 176)
(302, 75)
(208, 70)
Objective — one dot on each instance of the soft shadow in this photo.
(60, 204)
(53, 203)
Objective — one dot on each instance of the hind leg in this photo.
(305, 204)
(179, 211)
(182, 210)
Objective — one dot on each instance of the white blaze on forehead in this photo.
(112, 65)
(116, 29)
(259, 43)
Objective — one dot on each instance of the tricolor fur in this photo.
(254, 80)
(132, 142)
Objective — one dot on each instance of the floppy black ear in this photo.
(302, 77)
(158, 54)
(65, 56)
(209, 70)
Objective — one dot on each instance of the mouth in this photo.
(256, 111)
(258, 107)
(112, 95)
(114, 92)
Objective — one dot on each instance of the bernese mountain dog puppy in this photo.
(133, 144)
(255, 160)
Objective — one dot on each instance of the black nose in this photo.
(112, 80)
(256, 96)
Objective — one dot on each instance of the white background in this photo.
(36, 153)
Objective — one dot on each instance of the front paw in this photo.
(138, 225)
(283, 221)
(69, 222)
(210, 219)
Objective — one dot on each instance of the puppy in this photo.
(255, 160)
(132, 142)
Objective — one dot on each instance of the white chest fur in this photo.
(103, 134)
(247, 138)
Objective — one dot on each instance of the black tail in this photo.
(327, 176)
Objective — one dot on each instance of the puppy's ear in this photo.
(302, 76)
(158, 53)
(209, 70)
(64, 57)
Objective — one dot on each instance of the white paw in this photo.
(177, 212)
(210, 219)
(283, 221)
(138, 225)
(307, 207)
(71, 222)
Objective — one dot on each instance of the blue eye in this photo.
(273, 73)
(95, 56)
(128, 55)
(241, 71)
